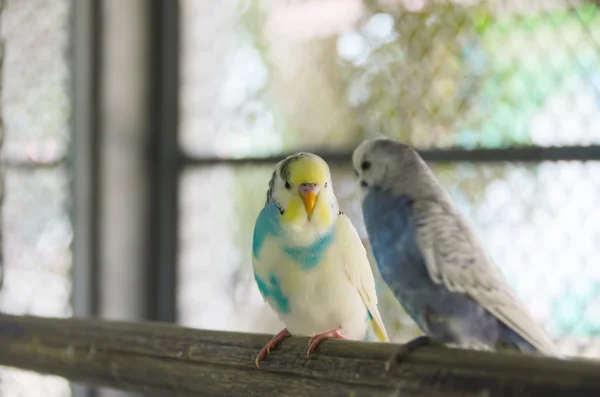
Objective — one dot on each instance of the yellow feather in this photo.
(309, 169)
(379, 332)
(322, 213)
(294, 209)
(359, 271)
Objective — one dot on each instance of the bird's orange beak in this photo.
(310, 199)
(309, 193)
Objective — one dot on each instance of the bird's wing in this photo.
(454, 258)
(359, 271)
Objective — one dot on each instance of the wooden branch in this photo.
(162, 359)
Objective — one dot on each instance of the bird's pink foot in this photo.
(272, 343)
(316, 339)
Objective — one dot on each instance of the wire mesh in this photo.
(270, 78)
(36, 228)
(261, 78)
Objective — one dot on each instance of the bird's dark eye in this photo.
(325, 184)
(355, 172)
(364, 184)
(287, 185)
(365, 165)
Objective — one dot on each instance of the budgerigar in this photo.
(309, 262)
(429, 256)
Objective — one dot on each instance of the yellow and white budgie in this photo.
(309, 262)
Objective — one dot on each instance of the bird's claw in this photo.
(315, 340)
(406, 349)
(270, 345)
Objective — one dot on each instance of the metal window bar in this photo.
(163, 163)
(83, 160)
(512, 154)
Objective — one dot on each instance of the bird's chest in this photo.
(319, 298)
(393, 237)
(300, 276)
(308, 278)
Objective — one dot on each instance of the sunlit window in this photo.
(36, 227)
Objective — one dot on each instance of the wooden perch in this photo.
(162, 359)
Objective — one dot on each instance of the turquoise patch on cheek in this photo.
(273, 292)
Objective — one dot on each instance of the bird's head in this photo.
(384, 164)
(302, 190)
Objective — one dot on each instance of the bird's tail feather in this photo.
(375, 333)
(511, 340)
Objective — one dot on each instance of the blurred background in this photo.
(139, 137)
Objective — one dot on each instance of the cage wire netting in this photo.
(263, 78)
(36, 229)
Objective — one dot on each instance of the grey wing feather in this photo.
(454, 258)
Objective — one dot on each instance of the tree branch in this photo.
(157, 358)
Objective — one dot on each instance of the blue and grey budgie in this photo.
(309, 262)
(430, 258)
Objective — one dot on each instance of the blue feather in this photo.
(308, 257)
(369, 335)
(444, 315)
(267, 224)
(273, 292)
